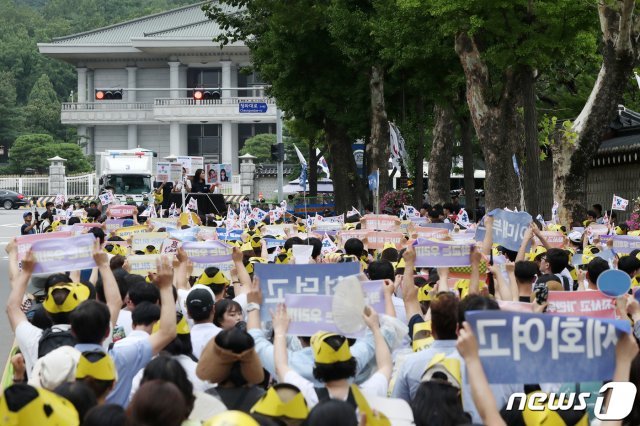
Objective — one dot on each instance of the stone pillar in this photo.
(174, 79)
(82, 84)
(174, 138)
(91, 90)
(227, 142)
(131, 83)
(57, 184)
(235, 150)
(226, 79)
(182, 82)
(82, 136)
(132, 136)
(247, 175)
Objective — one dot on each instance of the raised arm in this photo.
(18, 289)
(388, 289)
(443, 280)
(280, 326)
(409, 289)
(383, 354)
(167, 331)
(528, 235)
(474, 281)
(541, 237)
(111, 291)
(241, 271)
(513, 283)
(481, 393)
(12, 252)
(503, 291)
(181, 277)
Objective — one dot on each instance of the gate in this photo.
(80, 185)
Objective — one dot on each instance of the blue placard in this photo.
(614, 282)
(448, 226)
(508, 228)
(537, 348)
(272, 242)
(252, 107)
(276, 280)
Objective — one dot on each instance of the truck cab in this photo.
(130, 172)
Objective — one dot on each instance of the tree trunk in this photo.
(348, 187)
(378, 146)
(531, 169)
(466, 135)
(578, 147)
(495, 125)
(418, 180)
(313, 170)
(441, 152)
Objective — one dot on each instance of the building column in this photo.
(227, 142)
(82, 85)
(174, 79)
(91, 95)
(132, 136)
(131, 83)
(226, 78)
(182, 82)
(82, 136)
(235, 150)
(174, 138)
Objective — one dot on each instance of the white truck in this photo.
(129, 171)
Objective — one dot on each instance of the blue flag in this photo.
(373, 181)
(508, 228)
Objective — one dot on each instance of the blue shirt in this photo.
(129, 359)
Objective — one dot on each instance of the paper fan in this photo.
(348, 305)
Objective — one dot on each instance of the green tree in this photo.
(33, 150)
(260, 147)
(42, 113)
(9, 114)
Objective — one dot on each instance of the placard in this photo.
(554, 239)
(436, 254)
(130, 231)
(175, 172)
(112, 225)
(163, 171)
(508, 228)
(143, 264)
(191, 164)
(63, 254)
(377, 240)
(380, 222)
(225, 173)
(122, 211)
(207, 251)
(581, 303)
(142, 240)
(625, 244)
(211, 173)
(24, 242)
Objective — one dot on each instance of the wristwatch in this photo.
(252, 307)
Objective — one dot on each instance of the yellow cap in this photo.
(422, 336)
(634, 233)
(536, 251)
(78, 293)
(282, 258)
(558, 228)
(373, 418)
(247, 247)
(282, 400)
(98, 365)
(323, 353)
(183, 220)
(591, 250)
(218, 278)
(182, 326)
(231, 418)
(152, 251)
(449, 367)
(22, 404)
(400, 264)
(349, 226)
(388, 246)
(424, 293)
(619, 231)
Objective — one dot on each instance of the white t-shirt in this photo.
(376, 385)
(28, 336)
(201, 334)
(124, 321)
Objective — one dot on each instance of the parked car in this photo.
(12, 199)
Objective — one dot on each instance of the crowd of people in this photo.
(106, 347)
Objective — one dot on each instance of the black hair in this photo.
(525, 270)
(354, 247)
(317, 246)
(381, 270)
(222, 307)
(98, 233)
(117, 262)
(145, 313)
(390, 254)
(596, 267)
(592, 213)
(166, 368)
(90, 322)
(237, 341)
(444, 316)
(49, 204)
(475, 302)
(509, 254)
(629, 264)
(141, 291)
(438, 404)
(448, 206)
(56, 279)
(338, 370)
(332, 412)
(80, 395)
(106, 415)
(434, 214)
(597, 208)
(292, 241)
(558, 259)
(73, 220)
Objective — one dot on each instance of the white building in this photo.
(158, 61)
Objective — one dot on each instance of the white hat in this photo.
(575, 236)
(55, 368)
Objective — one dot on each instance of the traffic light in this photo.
(277, 152)
(204, 94)
(108, 94)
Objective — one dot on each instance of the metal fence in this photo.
(32, 186)
(80, 185)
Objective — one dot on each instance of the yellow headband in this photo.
(323, 353)
(424, 293)
(247, 247)
(78, 293)
(102, 369)
(450, 367)
(422, 336)
(231, 418)
(182, 326)
(271, 404)
(219, 278)
(374, 418)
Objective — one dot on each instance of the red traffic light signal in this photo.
(205, 94)
(198, 95)
(108, 94)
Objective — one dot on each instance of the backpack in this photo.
(54, 338)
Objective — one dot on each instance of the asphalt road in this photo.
(10, 222)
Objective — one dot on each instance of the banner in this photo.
(189, 234)
(540, 348)
(380, 222)
(554, 239)
(278, 280)
(225, 267)
(191, 164)
(175, 172)
(163, 222)
(625, 244)
(436, 254)
(63, 254)
(312, 313)
(130, 231)
(143, 264)
(142, 240)
(163, 171)
(207, 251)
(377, 240)
(435, 233)
(447, 226)
(581, 303)
(24, 242)
(508, 228)
(112, 225)
(122, 211)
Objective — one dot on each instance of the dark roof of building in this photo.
(264, 170)
(625, 135)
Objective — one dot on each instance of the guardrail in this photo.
(107, 106)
